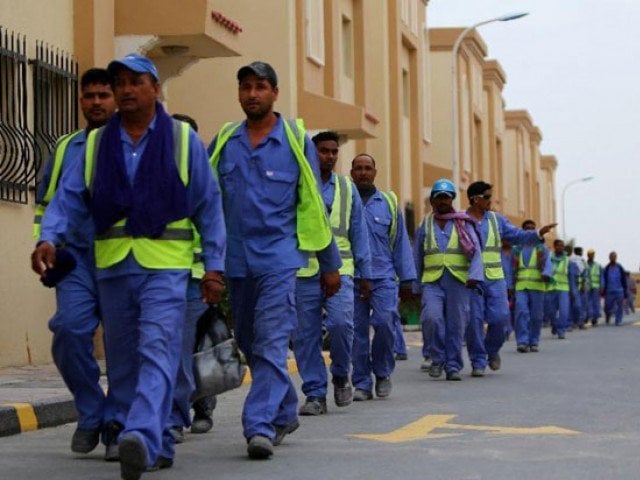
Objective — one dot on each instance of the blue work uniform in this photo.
(260, 188)
(143, 309)
(530, 303)
(310, 300)
(493, 306)
(388, 262)
(446, 302)
(615, 291)
(77, 311)
(594, 299)
(557, 303)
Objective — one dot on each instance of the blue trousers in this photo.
(529, 314)
(556, 310)
(613, 305)
(399, 345)
(74, 325)
(265, 319)
(492, 307)
(374, 355)
(424, 324)
(143, 318)
(595, 311)
(447, 314)
(577, 310)
(307, 344)
(628, 303)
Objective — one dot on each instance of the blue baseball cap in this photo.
(136, 63)
(445, 187)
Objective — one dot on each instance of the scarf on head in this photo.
(157, 196)
(458, 218)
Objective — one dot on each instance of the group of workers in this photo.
(157, 226)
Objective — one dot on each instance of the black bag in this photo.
(216, 361)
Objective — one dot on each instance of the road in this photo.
(568, 412)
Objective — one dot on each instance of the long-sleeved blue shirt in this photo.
(260, 191)
(69, 207)
(506, 258)
(529, 250)
(82, 238)
(387, 261)
(614, 279)
(476, 267)
(357, 228)
(514, 235)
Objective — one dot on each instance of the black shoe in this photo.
(283, 430)
(554, 330)
(342, 391)
(201, 424)
(522, 348)
(85, 440)
(133, 457)
(401, 356)
(383, 386)
(534, 348)
(259, 448)
(607, 319)
(454, 376)
(477, 372)
(161, 463)
(435, 371)
(561, 336)
(582, 327)
(495, 362)
(313, 406)
(362, 395)
(178, 434)
(110, 439)
(594, 323)
(425, 365)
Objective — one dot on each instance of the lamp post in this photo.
(455, 164)
(564, 190)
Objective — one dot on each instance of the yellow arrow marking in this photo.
(423, 428)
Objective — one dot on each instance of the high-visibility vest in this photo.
(560, 275)
(593, 270)
(392, 201)
(491, 251)
(174, 248)
(529, 276)
(340, 221)
(312, 224)
(56, 169)
(434, 262)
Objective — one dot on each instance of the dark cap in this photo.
(260, 70)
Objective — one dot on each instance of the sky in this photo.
(575, 66)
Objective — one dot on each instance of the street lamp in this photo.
(454, 75)
(564, 190)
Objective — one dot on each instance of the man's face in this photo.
(442, 203)
(483, 201)
(135, 92)
(363, 172)
(591, 256)
(558, 248)
(256, 96)
(529, 226)
(327, 154)
(613, 256)
(97, 103)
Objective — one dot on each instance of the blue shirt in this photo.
(69, 207)
(387, 262)
(260, 191)
(357, 228)
(614, 282)
(506, 258)
(529, 250)
(476, 267)
(82, 238)
(514, 235)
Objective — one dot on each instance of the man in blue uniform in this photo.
(390, 259)
(493, 306)
(268, 171)
(564, 284)
(145, 180)
(594, 271)
(578, 302)
(76, 319)
(347, 222)
(448, 259)
(614, 289)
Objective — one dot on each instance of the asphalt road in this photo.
(568, 412)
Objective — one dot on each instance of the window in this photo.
(347, 47)
(314, 27)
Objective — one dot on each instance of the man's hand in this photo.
(365, 289)
(212, 287)
(330, 283)
(546, 229)
(406, 291)
(43, 258)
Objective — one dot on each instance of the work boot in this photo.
(522, 348)
(362, 395)
(178, 434)
(401, 356)
(259, 448)
(133, 457)
(582, 327)
(454, 376)
(594, 323)
(313, 406)
(283, 430)
(435, 371)
(477, 372)
(383, 386)
(495, 362)
(342, 391)
(201, 424)
(534, 348)
(425, 365)
(554, 330)
(161, 464)
(561, 336)
(85, 440)
(110, 439)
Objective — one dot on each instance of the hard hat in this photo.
(443, 185)
(591, 251)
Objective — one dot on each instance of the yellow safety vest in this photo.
(491, 251)
(174, 248)
(529, 277)
(340, 221)
(392, 201)
(58, 159)
(453, 258)
(561, 275)
(312, 224)
(594, 273)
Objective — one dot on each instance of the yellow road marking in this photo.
(26, 415)
(423, 428)
(292, 367)
(636, 324)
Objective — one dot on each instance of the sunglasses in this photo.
(483, 196)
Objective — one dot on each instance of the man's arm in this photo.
(359, 237)
(515, 235)
(476, 267)
(403, 260)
